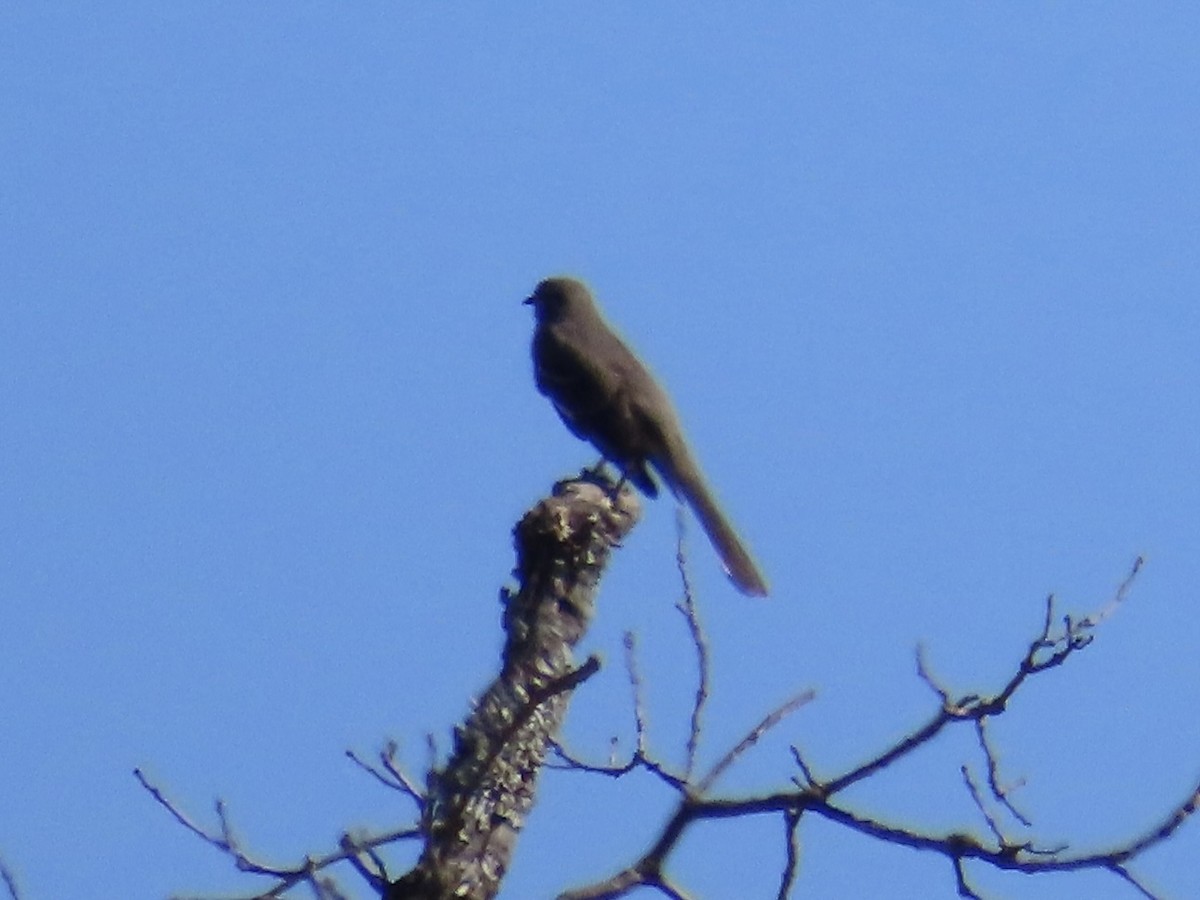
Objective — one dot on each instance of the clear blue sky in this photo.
(922, 279)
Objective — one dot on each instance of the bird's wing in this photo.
(580, 389)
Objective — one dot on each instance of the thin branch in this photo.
(287, 877)
(1169, 825)
(1075, 635)
(227, 836)
(1021, 858)
(791, 822)
(809, 779)
(388, 757)
(1118, 598)
(392, 776)
(903, 747)
(641, 757)
(615, 886)
(926, 675)
(772, 719)
(667, 888)
(974, 791)
(10, 882)
(326, 889)
(635, 685)
(687, 607)
(569, 762)
(566, 682)
(960, 880)
(1001, 794)
(377, 877)
(176, 813)
(1128, 877)
(384, 778)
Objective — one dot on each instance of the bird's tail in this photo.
(686, 481)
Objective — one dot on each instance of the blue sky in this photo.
(920, 278)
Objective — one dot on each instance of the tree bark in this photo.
(478, 802)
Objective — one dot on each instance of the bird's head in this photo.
(555, 298)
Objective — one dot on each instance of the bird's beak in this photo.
(528, 301)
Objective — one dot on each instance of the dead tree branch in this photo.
(1056, 643)
(472, 809)
(311, 871)
(477, 803)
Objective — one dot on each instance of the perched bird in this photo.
(605, 395)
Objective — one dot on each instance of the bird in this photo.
(605, 395)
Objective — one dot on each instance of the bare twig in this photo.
(388, 756)
(960, 880)
(641, 758)
(667, 888)
(1075, 635)
(977, 796)
(635, 686)
(176, 812)
(903, 747)
(1125, 874)
(391, 774)
(1118, 598)
(376, 876)
(687, 607)
(287, 877)
(926, 675)
(999, 792)
(1167, 827)
(772, 719)
(384, 778)
(10, 882)
(791, 823)
(809, 780)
